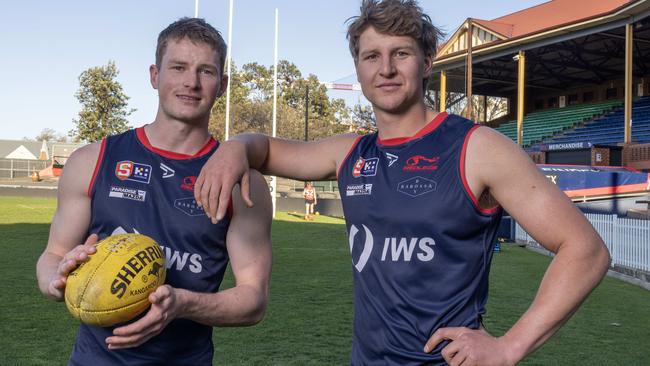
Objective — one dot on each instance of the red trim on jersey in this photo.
(100, 158)
(463, 178)
(435, 122)
(142, 136)
(354, 145)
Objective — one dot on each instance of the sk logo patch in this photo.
(391, 159)
(365, 167)
(367, 246)
(128, 170)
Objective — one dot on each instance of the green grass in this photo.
(310, 311)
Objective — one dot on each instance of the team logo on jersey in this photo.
(367, 246)
(167, 171)
(128, 170)
(416, 186)
(365, 167)
(395, 249)
(358, 190)
(189, 206)
(398, 249)
(420, 162)
(188, 183)
(127, 193)
(391, 159)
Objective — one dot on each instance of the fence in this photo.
(20, 168)
(628, 240)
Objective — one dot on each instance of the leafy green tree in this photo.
(48, 134)
(251, 104)
(363, 119)
(103, 105)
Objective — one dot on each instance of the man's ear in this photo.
(428, 64)
(224, 85)
(153, 76)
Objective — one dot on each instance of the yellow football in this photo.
(113, 286)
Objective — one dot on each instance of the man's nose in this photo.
(192, 80)
(387, 66)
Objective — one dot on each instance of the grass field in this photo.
(310, 311)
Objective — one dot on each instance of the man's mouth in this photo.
(388, 86)
(188, 98)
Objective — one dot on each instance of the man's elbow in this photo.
(602, 258)
(256, 313)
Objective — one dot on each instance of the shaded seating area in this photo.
(543, 124)
(609, 129)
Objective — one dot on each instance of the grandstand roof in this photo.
(545, 16)
(568, 44)
(553, 13)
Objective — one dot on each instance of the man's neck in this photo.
(177, 136)
(403, 124)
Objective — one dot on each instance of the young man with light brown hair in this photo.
(419, 202)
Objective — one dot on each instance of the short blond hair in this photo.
(397, 18)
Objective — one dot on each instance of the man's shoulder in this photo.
(85, 154)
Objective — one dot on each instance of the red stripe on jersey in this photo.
(142, 137)
(100, 158)
(431, 126)
(354, 145)
(487, 211)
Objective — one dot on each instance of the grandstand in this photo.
(609, 129)
(541, 125)
(576, 75)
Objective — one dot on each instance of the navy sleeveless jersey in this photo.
(421, 246)
(138, 188)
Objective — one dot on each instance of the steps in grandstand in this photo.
(544, 124)
(609, 129)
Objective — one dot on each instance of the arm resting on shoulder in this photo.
(314, 160)
(249, 248)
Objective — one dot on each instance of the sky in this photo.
(47, 44)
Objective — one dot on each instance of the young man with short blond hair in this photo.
(419, 202)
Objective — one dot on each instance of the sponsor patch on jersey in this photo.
(188, 183)
(128, 170)
(167, 171)
(365, 167)
(127, 193)
(416, 186)
(358, 190)
(368, 243)
(418, 163)
(189, 206)
(392, 158)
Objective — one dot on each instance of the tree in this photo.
(363, 119)
(48, 134)
(251, 104)
(103, 105)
